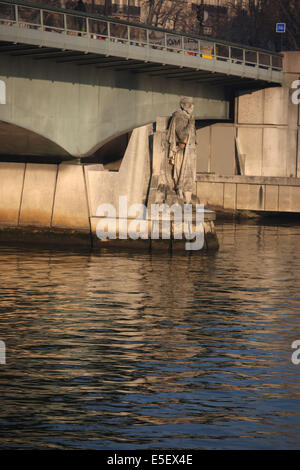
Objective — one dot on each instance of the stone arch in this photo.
(21, 144)
(111, 151)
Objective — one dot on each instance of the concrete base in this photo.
(52, 205)
(249, 193)
(45, 237)
(166, 237)
(38, 195)
(11, 190)
(70, 209)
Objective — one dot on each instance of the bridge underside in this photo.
(18, 145)
(22, 145)
(135, 66)
(79, 109)
(80, 93)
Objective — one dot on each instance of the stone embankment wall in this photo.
(62, 200)
(254, 163)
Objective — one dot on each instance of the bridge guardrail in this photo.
(21, 14)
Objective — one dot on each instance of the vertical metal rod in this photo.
(65, 23)
(17, 14)
(108, 30)
(147, 38)
(42, 19)
(128, 34)
(87, 27)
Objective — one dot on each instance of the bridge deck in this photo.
(84, 39)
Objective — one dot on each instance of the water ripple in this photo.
(131, 350)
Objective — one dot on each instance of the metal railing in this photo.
(28, 15)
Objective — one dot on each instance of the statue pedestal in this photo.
(160, 233)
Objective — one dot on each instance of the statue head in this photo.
(187, 104)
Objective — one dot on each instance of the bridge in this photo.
(70, 81)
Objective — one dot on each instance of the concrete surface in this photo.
(11, 189)
(70, 208)
(81, 108)
(249, 193)
(267, 127)
(132, 179)
(38, 195)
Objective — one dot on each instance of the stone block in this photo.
(230, 196)
(223, 150)
(120, 242)
(275, 151)
(276, 102)
(211, 193)
(293, 111)
(292, 62)
(289, 198)
(135, 168)
(291, 159)
(11, 187)
(38, 194)
(250, 142)
(132, 179)
(203, 148)
(271, 197)
(70, 204)
(95, 167)
(102, 189)
(251, 108)
(250, 197)
(159, 143)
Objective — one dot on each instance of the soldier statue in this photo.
(178, 170)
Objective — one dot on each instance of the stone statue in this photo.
(178, 169)
(181, 155)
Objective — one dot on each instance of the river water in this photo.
(140, 351)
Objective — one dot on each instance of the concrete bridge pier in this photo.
(253, 163)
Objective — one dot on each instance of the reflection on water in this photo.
(133, 351)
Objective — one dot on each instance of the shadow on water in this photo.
(138, 350)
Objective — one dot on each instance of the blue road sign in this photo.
(280, 27)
